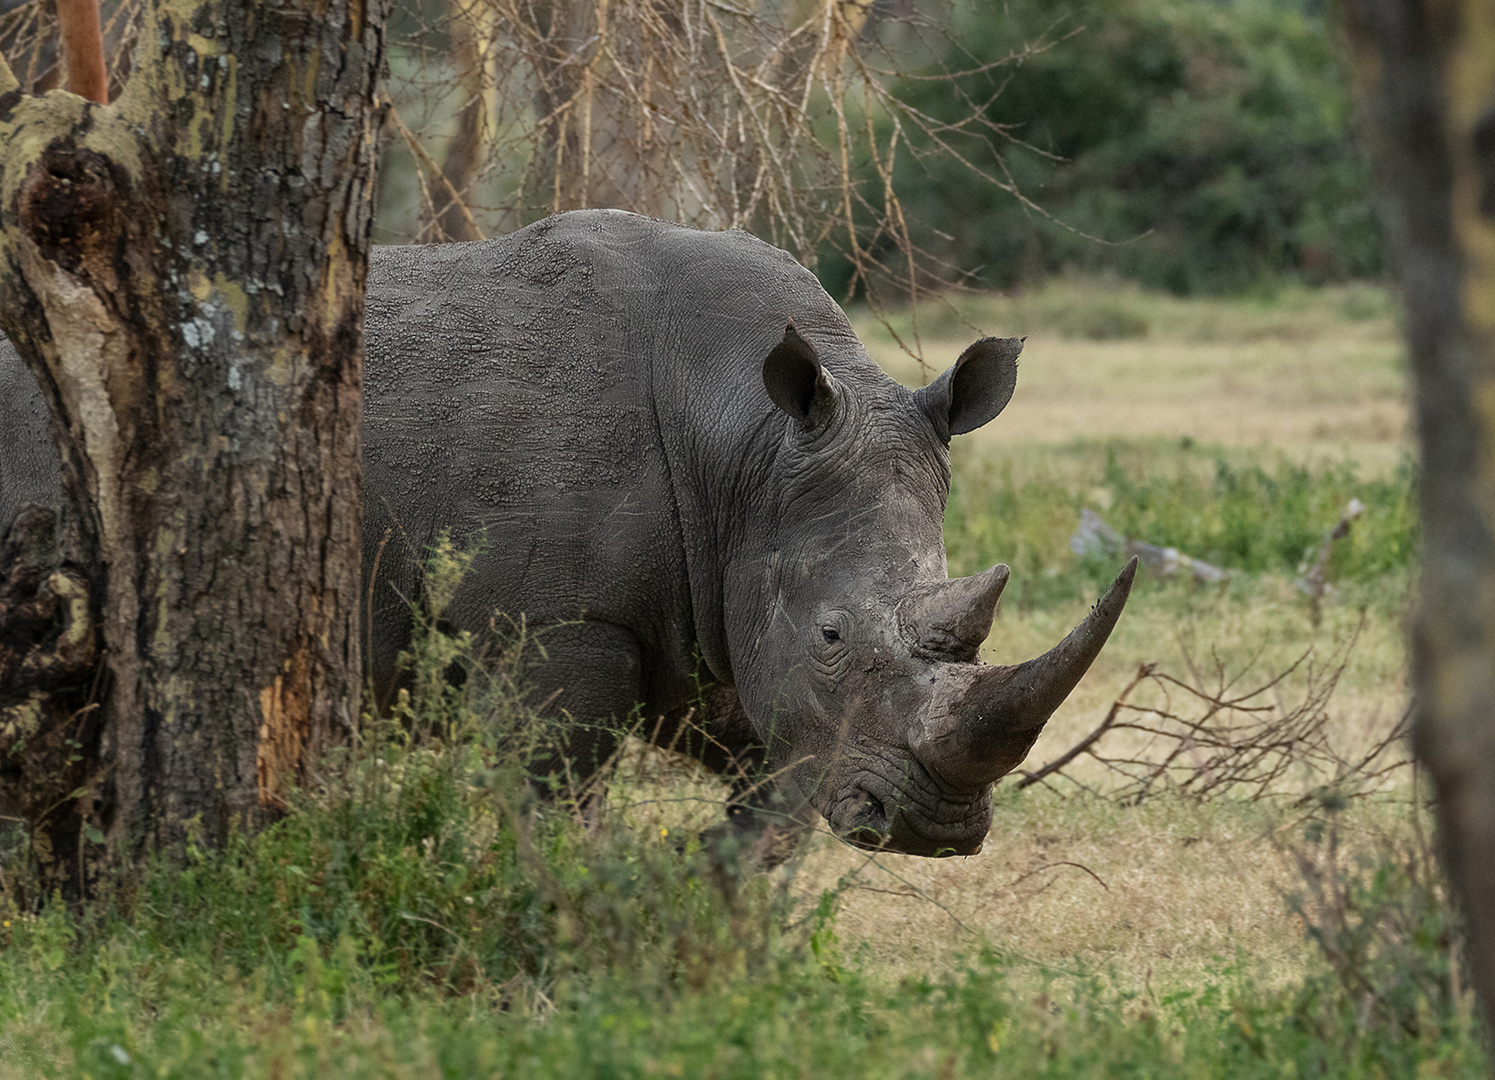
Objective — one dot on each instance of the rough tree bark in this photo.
(184, 272)
(1425, 75)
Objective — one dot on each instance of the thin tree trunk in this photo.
(83, 48)
(184, 272)
(1425, 74)
(472, 48)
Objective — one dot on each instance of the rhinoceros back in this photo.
(30, 471)
(572, 399)
(579, 398)
(508, 404)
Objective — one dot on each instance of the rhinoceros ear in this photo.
(975, 389)
(797, 382)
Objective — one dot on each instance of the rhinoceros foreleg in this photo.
(590, 684)
(764, 826)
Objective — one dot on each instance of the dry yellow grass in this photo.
(1187, 887)
(1158, 897)
(1307, 381)
(1166, 893)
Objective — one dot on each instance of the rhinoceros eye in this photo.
(831, 633)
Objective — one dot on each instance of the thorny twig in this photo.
(1053, 865)
(1378, 907)
(1207, 741)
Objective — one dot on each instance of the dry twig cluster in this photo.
(782, 117)
(29, 42)
(1378, 906)
(1211, 736)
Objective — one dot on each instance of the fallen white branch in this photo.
(1314, 580)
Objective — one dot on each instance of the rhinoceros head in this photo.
(862, 672)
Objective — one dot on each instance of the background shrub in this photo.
(1205, 141)
(1244, 516)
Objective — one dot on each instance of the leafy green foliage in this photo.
(425, 857)
(122, 1012)
(1244, 517)
(1205, 142)
(1249, 518)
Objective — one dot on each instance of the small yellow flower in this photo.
(5, 924)
(663, 832)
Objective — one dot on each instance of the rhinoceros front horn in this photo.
(984, 720)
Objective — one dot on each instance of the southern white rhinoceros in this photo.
(680, 460)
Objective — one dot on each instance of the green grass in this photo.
(403, 921)
(1246, 513)
(797, 1017)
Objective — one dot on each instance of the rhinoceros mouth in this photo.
(892, 803)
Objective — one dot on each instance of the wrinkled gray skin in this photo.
(680, 460)
(29, 467)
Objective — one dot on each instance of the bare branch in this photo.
(83, 46)
(1083, 746)
(1253, 743)
(785, 120)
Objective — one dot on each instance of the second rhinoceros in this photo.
(670, 451)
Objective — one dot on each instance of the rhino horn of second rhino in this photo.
(983, 720)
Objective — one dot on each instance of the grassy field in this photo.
(413, 919)
(1313, 375)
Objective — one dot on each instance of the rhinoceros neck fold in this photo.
(722, 435)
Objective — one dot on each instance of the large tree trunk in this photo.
(184, 272)
(1425, 71)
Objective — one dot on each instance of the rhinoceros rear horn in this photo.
(796, 380)
(986, 724)
(975, 389)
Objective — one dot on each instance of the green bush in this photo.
(1208, 143)
(110, 1007)
(1249, 518)
(1245, 518)
(427, 858)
